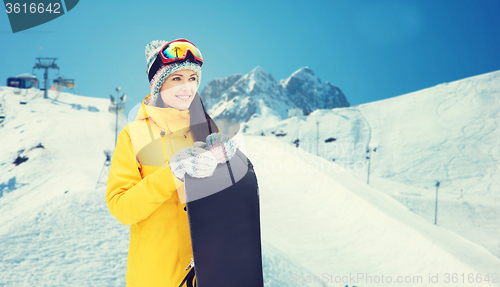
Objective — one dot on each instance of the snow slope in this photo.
(55, 227)
(321, 222)
(449, 133)
(334, 224)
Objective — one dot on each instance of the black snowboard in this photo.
(224, 220)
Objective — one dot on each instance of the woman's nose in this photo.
(185, 86)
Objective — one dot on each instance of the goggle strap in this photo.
(155, 67)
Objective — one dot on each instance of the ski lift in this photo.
(61, 83)
(46, 61)
(22, 82)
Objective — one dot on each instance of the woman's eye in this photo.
(193, 79)
(176, 79)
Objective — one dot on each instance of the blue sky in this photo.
(371, 50)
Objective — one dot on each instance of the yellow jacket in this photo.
(143, 192)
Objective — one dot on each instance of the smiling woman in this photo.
(145, 192)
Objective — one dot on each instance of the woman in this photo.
(142, 190)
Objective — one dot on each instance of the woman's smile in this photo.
(183, 97)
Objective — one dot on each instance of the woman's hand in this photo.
(201, 159)
(194, 161)
(221, 146)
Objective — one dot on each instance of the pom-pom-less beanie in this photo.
(152, 50)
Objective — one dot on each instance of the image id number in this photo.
(470, 278)
(32, 8)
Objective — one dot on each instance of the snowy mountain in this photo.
(257, 94)
(215, 88)
(308, 93)
(449, 133)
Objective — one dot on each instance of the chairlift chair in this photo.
(22, 82)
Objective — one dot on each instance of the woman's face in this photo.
(179, 89)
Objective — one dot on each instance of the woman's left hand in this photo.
(195, 161)
(221, 146)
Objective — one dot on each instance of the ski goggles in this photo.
(176, 51)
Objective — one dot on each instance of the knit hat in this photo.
(152, 50)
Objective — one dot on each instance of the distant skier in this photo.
(142, 190)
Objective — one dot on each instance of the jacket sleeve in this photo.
(131, 198)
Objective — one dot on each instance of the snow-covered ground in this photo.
(334, 224)
(449, 133)
(55, 228)
(321, 222)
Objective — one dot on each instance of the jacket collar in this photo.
(169, 120)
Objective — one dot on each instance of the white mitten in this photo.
(194, 161)
(221, 146)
